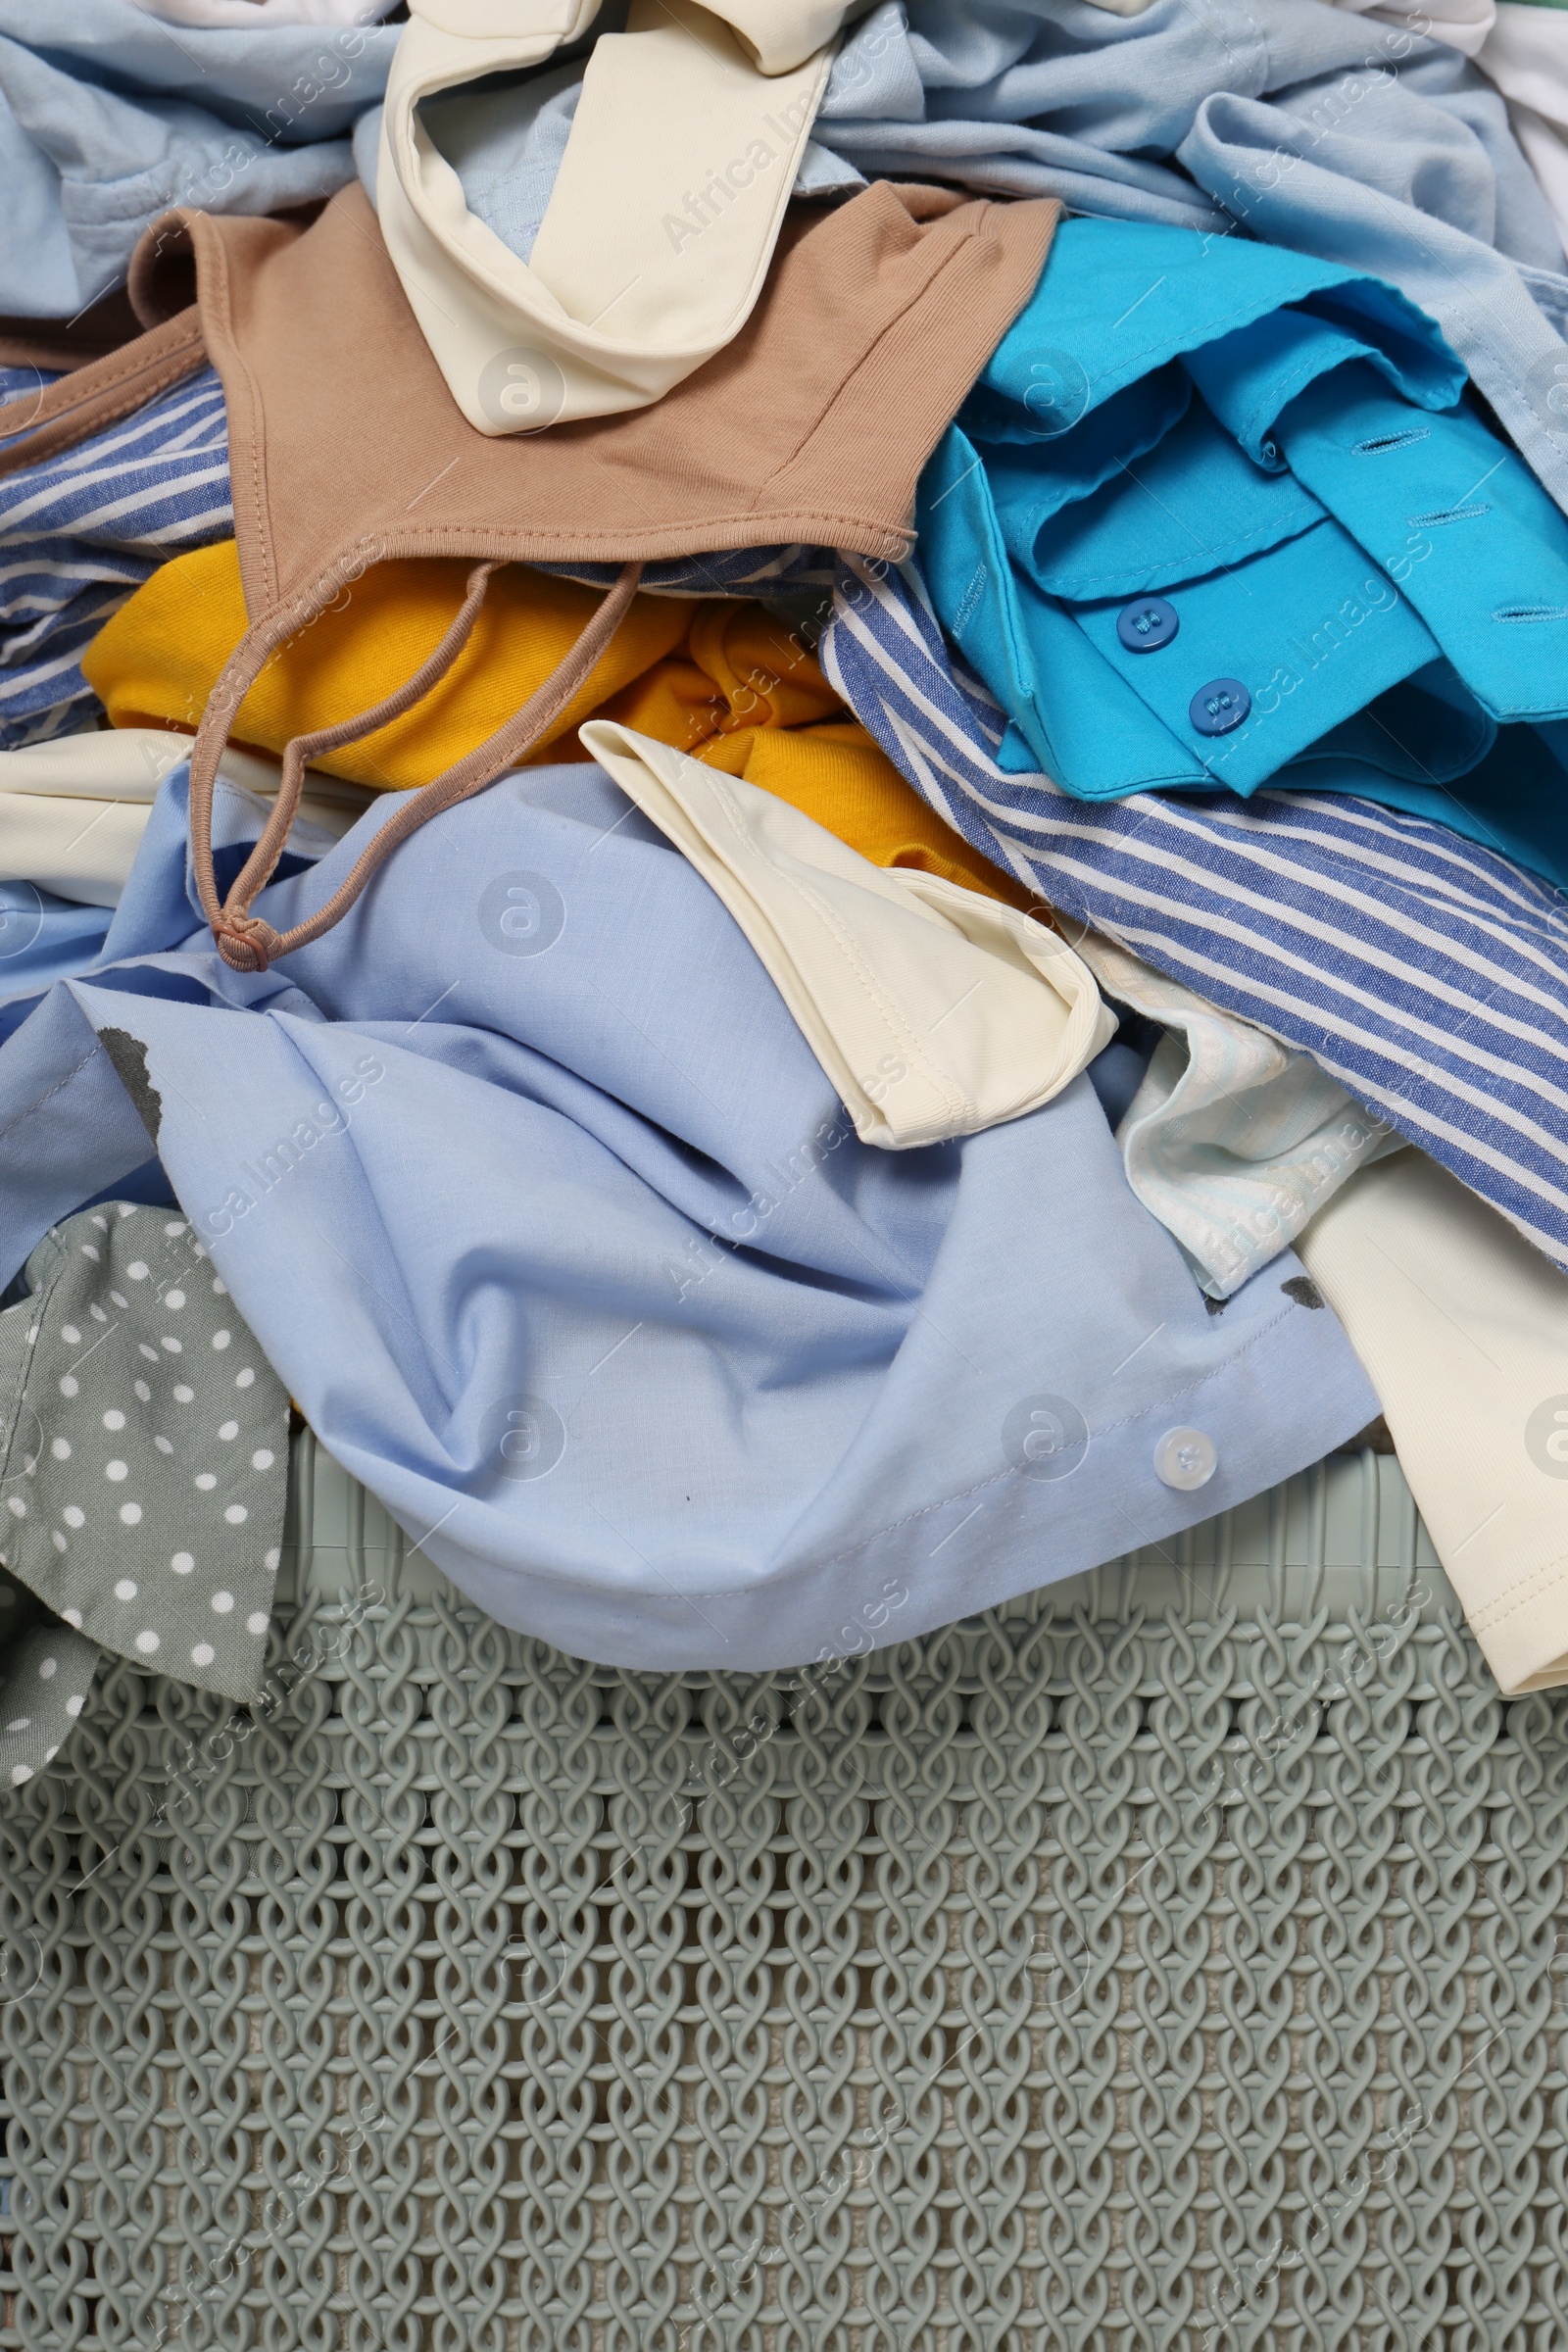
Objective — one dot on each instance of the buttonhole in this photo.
(1382, 441)
(1442, 515)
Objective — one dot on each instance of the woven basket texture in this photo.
(1173, 1958)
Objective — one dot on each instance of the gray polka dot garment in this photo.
(143, 1450)
(46, 1674)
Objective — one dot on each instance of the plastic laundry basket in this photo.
(1173, 1958)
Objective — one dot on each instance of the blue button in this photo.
(1146, 625)
(1219, 706)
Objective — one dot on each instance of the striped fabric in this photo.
(81, 530)
(1425, 973)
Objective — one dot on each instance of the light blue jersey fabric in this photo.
(1213, 514)
(108, 117)
(535, 1196)
(1077, 102)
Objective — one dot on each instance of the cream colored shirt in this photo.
(1463, 1330)
(656, 238)
(934, 1011)
(73, 810)
(1232, 1141)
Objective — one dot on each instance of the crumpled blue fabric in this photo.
(1268, 460)
(108, 117)
(659, 1363)
(42, 938)
(1076, 102)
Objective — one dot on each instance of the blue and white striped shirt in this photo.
(81, 530)
(1427, 974)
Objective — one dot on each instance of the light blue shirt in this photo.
(535, 1196)
(108, 117)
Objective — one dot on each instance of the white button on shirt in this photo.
(1185, 1458)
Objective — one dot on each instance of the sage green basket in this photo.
(1172, 1958)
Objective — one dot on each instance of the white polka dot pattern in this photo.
(46, 1671)
(144, 1480)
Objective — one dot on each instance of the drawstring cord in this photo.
(246, 942)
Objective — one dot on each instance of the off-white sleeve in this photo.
(1462, 1328)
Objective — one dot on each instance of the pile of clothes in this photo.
(783, 797)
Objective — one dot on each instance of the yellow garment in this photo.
(157, 660)
(719, 679)
(838, 775)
